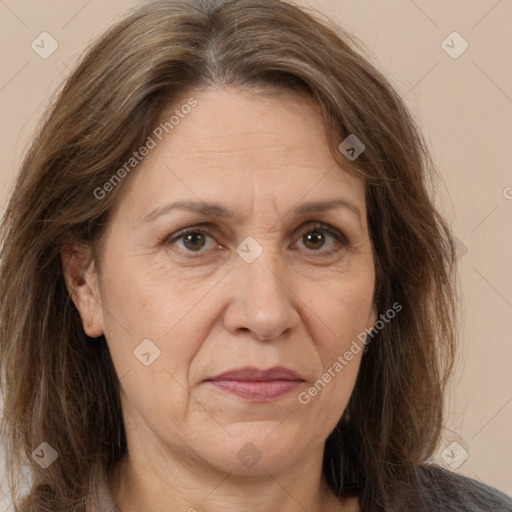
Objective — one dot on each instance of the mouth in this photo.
(256, 385)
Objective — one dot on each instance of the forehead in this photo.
(228, 126)
(239, 148)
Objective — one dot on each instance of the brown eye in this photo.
(323, 239)
(314, 240)
(194, 241)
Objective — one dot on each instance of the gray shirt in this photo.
(449, 492)
(441, 491)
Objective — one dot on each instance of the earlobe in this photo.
(81, 281)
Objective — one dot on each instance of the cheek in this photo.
(142, 295)
(340, 348)
(343, 307)
(340, 315)
(155, 321)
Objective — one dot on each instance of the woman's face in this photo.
(267, 277)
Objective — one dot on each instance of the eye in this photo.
(316, 237)
(192, 240)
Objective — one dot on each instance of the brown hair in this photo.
(61, 388)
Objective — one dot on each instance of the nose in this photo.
(262, 302)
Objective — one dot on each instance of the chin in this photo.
(255, 448)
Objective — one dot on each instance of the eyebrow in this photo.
(210, 209)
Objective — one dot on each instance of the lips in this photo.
(250, 373)
(257, 385)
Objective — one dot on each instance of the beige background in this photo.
(464, 106)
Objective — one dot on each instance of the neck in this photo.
(152, 485)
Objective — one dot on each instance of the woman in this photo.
(224, 283)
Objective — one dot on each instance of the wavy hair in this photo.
(60, 387)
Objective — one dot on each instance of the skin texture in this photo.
(208, 310)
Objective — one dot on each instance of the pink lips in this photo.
(257, 385)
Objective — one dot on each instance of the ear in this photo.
(81, 281)
(372, 318)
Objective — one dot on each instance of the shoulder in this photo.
(444, 491)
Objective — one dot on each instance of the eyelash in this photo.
(324, 228)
